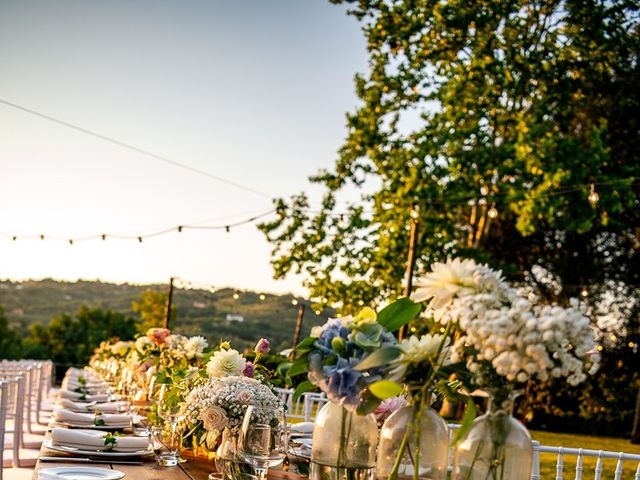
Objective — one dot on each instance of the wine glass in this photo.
(263, 438)
(170, 410)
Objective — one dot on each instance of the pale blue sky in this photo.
(254, 91)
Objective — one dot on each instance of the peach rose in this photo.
(214, 418)
(158, 335)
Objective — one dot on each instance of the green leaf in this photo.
(298, 367)
(398, 313)
(368, 403)
(386, 389)
(467, 419)
(379, 357)
(302, 388)
(306, 342)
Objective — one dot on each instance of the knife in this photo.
(85, 460)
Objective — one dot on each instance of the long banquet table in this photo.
(195, 468)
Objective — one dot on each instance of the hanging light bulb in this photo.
(70, 242)
(584, 292)
(262, 297)
(180, 229)
(493, 211)
(14, 238)
(41, 237)
(294, 302)
(103, 236)
(236, 296)
(593, 195)
(140, 239)
(227, 229)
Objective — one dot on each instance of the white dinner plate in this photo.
(84, 473)
(95, 453)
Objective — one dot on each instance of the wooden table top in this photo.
(195, 468)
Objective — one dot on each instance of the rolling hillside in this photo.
(197, 311)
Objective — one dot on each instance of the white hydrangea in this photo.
(500, 326)
(226, 363)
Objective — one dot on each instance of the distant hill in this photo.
(198, 312)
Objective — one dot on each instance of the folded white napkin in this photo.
(104, 407)
(94, 440)
(80, 397)
(76, 373)
(302, 427)
(91, 387)
(63, 415)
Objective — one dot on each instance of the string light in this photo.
(593, 195)
(294, 302)
(70, 242)
(236, 296)
(262, 296)
(584, 292)
(140, 238)
(493, 211)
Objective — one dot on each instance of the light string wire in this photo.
(140, 238)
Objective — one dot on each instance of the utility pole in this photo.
(411, 257)
(296, 332)
(167, 315)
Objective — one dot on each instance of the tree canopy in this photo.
(496, 120)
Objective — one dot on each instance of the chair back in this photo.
(295, 410)
(580, 454)
(13, 407)
(313, 402)
(4, 392)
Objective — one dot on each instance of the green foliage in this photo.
(152, 307)
(197, 312)
(71, 340)
(521, 104)
(10, 342)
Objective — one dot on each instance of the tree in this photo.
(152, 308)
(521, 104)
(10, 342)
(499, 120)
(71, 340)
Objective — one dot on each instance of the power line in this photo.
(136, 149)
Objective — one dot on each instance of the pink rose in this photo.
(262, 346)
(244, 396)
(158, 335)
(388, 406)
(214, 418)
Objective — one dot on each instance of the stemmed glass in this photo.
(169, 409)
(263, 439)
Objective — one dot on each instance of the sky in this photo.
(252, 91)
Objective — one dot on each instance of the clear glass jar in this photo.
(497, 447)
(429, 449)
(344, 445)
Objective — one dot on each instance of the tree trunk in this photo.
(635, 433)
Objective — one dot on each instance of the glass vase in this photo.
(497, 447)
(344, 445)
(407, 452)
(227, 460)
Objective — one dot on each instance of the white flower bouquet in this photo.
(220, 403)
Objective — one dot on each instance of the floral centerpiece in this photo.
(217, 398)
(505, 340)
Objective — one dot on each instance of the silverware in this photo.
(86, 460)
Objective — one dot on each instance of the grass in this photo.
(548, 461)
